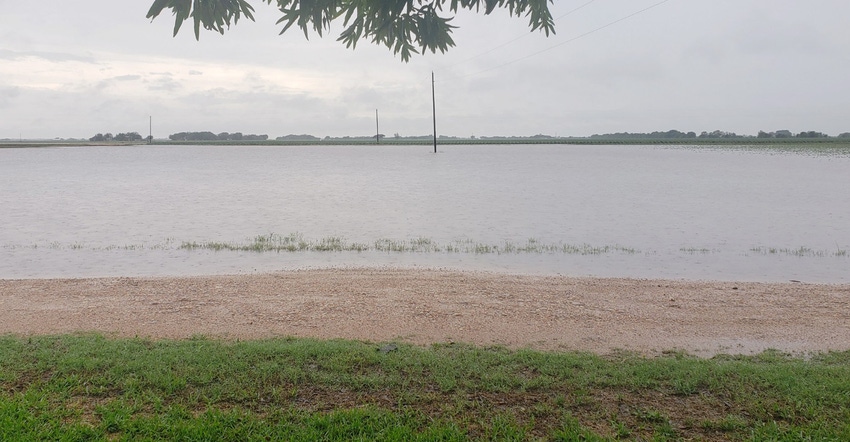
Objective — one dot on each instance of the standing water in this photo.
(632, 211)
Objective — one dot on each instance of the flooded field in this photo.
(637, 211)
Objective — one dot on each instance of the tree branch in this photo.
(405, 26)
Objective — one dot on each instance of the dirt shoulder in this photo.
(427, 306)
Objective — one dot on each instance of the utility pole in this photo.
(377, 129)
(434, 110)
(150, 129)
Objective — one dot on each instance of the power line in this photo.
(519, 37)
(573, 10)
(564, 42)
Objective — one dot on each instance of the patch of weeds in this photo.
(696, 251)
(649, 415)
(389, 245)
(727, 424)
(572, 430)
(665, 431)
(295, 242)
(802, 252)
(621, 431)
(685, 387)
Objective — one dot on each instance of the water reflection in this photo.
(690, 213)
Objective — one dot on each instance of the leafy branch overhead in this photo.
(406, 26)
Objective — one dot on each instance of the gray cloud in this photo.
(8, 96)
(56, 57)
(164, 83)
(127, 77)
(724, 64)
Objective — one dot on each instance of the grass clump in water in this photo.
(90, 387)
(696, 250)
(295, 242)
(802, 252)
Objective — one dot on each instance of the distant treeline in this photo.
(717, 134)
(293, 137)
(209, 136)
(619, 137)
(658, 135)
(128, 136)
(788, 134)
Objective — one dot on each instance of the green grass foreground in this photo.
(94, 388)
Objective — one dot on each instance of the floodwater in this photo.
(632, 211)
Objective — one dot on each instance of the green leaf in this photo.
(406, 27)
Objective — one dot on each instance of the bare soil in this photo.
(600, 315)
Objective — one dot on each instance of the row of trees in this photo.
(128, 136)
(714, 134)
(651, 135)
(671, 134)
(301, 137)
(209, 136)
(788, 134)
(719, 134)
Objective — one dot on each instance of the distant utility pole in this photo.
(434, 110)
(150, 129)
(377, 129)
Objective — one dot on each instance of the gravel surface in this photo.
(599, 315)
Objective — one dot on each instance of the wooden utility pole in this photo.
(150, 129)
(377, 129)
(434, 110)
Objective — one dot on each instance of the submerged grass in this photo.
(799, 251)
(94, 388)
(696, 250)
(295, 242)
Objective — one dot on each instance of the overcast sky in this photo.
(73, 69)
